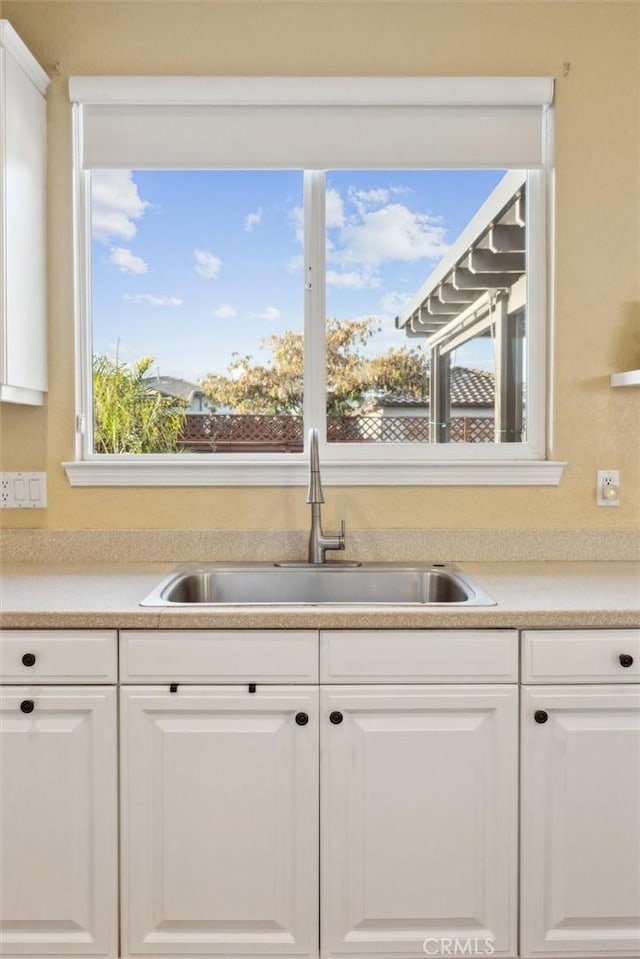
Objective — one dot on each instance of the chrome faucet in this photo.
(319, 541)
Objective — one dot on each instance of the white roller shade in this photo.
(311, 123)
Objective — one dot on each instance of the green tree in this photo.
(128, 417)
(276, 385)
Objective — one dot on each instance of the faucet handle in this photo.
(343, 530)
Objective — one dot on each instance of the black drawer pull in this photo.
(625, 659)
(27, 705)
(28, 659)
(335, 717)
(540, 716)
(302, 719)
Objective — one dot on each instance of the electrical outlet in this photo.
(608, 488)
(23, 490)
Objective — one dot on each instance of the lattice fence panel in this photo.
(241, 433)
(471, 429)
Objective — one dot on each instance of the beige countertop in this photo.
(533, 594)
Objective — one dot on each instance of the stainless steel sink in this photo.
(261, 584)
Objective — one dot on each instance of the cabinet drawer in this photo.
(58, 656)
(227, 656)
(419, 656)
(581, 656)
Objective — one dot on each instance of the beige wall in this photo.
(597, 326)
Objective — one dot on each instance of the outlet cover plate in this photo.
(608, 479)
(23, 490)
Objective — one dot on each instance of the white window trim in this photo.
(343, 464)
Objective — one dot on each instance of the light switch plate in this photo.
(23, 490)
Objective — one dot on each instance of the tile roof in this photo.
(468, 388)
(472, 387)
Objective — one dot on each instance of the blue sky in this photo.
(190, 266)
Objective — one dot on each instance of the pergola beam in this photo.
(507, 238)
(466, 280)
(448, 294)
(435, 307)
(486, 261)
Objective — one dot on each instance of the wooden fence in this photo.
(244, 433)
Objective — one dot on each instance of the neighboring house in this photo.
(402, 418)
(191, 394)
(472, 394)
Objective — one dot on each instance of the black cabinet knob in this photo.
(540, 716)
(28, 659)
(302, 719)
(27, 705)
(625, 659)
(336, 717)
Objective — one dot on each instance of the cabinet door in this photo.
(23, 154)
(220, 821)
(581, 821)
(58, 825)
(418, 820)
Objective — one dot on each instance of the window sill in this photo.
(154, 472)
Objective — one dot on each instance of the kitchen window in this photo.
(362, 255)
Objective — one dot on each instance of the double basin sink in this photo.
(214, 584)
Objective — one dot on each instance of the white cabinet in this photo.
(580, 841)
(219, 656)
(374, 815)
(220, 795)
(419, 820)
(23, 161)
(42, 656)
(58, 821)
(220, 821)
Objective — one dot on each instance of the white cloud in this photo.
(295, 263)
(389, 338)
(334, 209)
(253, 220)
(126, 261)
(368, 231)
(152, 300)
(401, 190)
(353, 279)
(373, 197)
(392, 232)
(225, 311)
(296, 215)
(364, 200)
(271, 313)
(206, 264)
(394, 301)
(115, 205)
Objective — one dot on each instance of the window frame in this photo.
(350, 464)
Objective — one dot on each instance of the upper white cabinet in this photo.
(23, 131)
